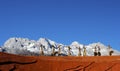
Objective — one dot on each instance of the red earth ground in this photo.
(10, 62)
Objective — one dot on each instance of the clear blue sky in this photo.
(63, 21)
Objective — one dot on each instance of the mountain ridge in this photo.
(25, 46)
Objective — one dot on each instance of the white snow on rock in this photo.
(24, 46)
(0, 49)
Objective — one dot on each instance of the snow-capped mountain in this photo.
(24, 46)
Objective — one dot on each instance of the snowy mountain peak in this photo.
(98, 44)
(24, 46)
(76, 44)
(44, 42)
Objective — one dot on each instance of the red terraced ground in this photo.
(10, 62)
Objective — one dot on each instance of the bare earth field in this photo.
(10, 62)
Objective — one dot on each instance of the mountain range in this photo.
(25, 46)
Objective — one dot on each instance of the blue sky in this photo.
(63, 21)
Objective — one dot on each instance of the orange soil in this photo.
(10, 62)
